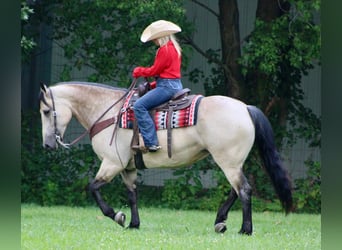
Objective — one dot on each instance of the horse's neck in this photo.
(87, 106)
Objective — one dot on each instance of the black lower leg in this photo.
(132, 200)
(245, 197)
(222, 213)
(94, 189)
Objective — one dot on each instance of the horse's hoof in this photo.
(132, 228)
(246, 228)
(133, 225)
(245, 232)
(120, 218)
(220, 227)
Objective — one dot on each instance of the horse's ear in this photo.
(43, 87)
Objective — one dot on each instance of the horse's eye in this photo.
(46, 112)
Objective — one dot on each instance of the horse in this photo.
(226, 129)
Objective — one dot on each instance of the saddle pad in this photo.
(180, 118)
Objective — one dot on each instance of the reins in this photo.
(67, 145)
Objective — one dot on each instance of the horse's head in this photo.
(55, 116)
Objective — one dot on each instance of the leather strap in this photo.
(99, 126)
(169, 131)
(135, 137)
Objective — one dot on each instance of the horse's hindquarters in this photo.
(225, 128)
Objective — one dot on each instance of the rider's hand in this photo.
(137, 72)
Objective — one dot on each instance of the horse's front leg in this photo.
(105, 174)
(129, 177)
(94, 188)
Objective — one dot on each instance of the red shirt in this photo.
(167, 64)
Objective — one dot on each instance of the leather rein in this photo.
(93, 129)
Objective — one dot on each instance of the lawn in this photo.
(62, 227)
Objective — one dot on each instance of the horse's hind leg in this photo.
(241, 189)
(222, 214)
(129, 177)
(245, 193)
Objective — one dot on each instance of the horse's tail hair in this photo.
(271, 158)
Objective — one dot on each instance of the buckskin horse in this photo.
(226, 128)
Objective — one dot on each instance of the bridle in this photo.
(56, 131)
(57, 134)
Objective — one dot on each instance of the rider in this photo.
(166, 68)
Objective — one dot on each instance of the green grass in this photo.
(86, 228)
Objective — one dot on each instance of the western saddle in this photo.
(179, 101)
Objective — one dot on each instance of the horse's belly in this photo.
(186, 149)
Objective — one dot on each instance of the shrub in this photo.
(308, 190)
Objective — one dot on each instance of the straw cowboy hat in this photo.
(159, 29)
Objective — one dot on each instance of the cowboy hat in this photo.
(159, 29)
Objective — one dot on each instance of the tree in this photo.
(226, 75)
(27, 44)
(104, 35)
(283, 47)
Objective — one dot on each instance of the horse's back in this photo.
(224, 110)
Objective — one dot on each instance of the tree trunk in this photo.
(267, 11)
(230, 44)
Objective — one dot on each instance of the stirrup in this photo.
(138, 148)
(135, 147)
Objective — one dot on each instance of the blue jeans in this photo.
(163, 92)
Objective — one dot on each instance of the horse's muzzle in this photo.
(49, 147)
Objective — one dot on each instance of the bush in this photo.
(308, 190)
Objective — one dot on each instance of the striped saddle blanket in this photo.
(183, 112)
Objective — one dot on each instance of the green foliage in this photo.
(187, 191)
(27, 44)
(308, 189)
(105, 35)
(275, 57)
(214, 82)
(181, 192)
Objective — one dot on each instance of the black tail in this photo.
(271, 158)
